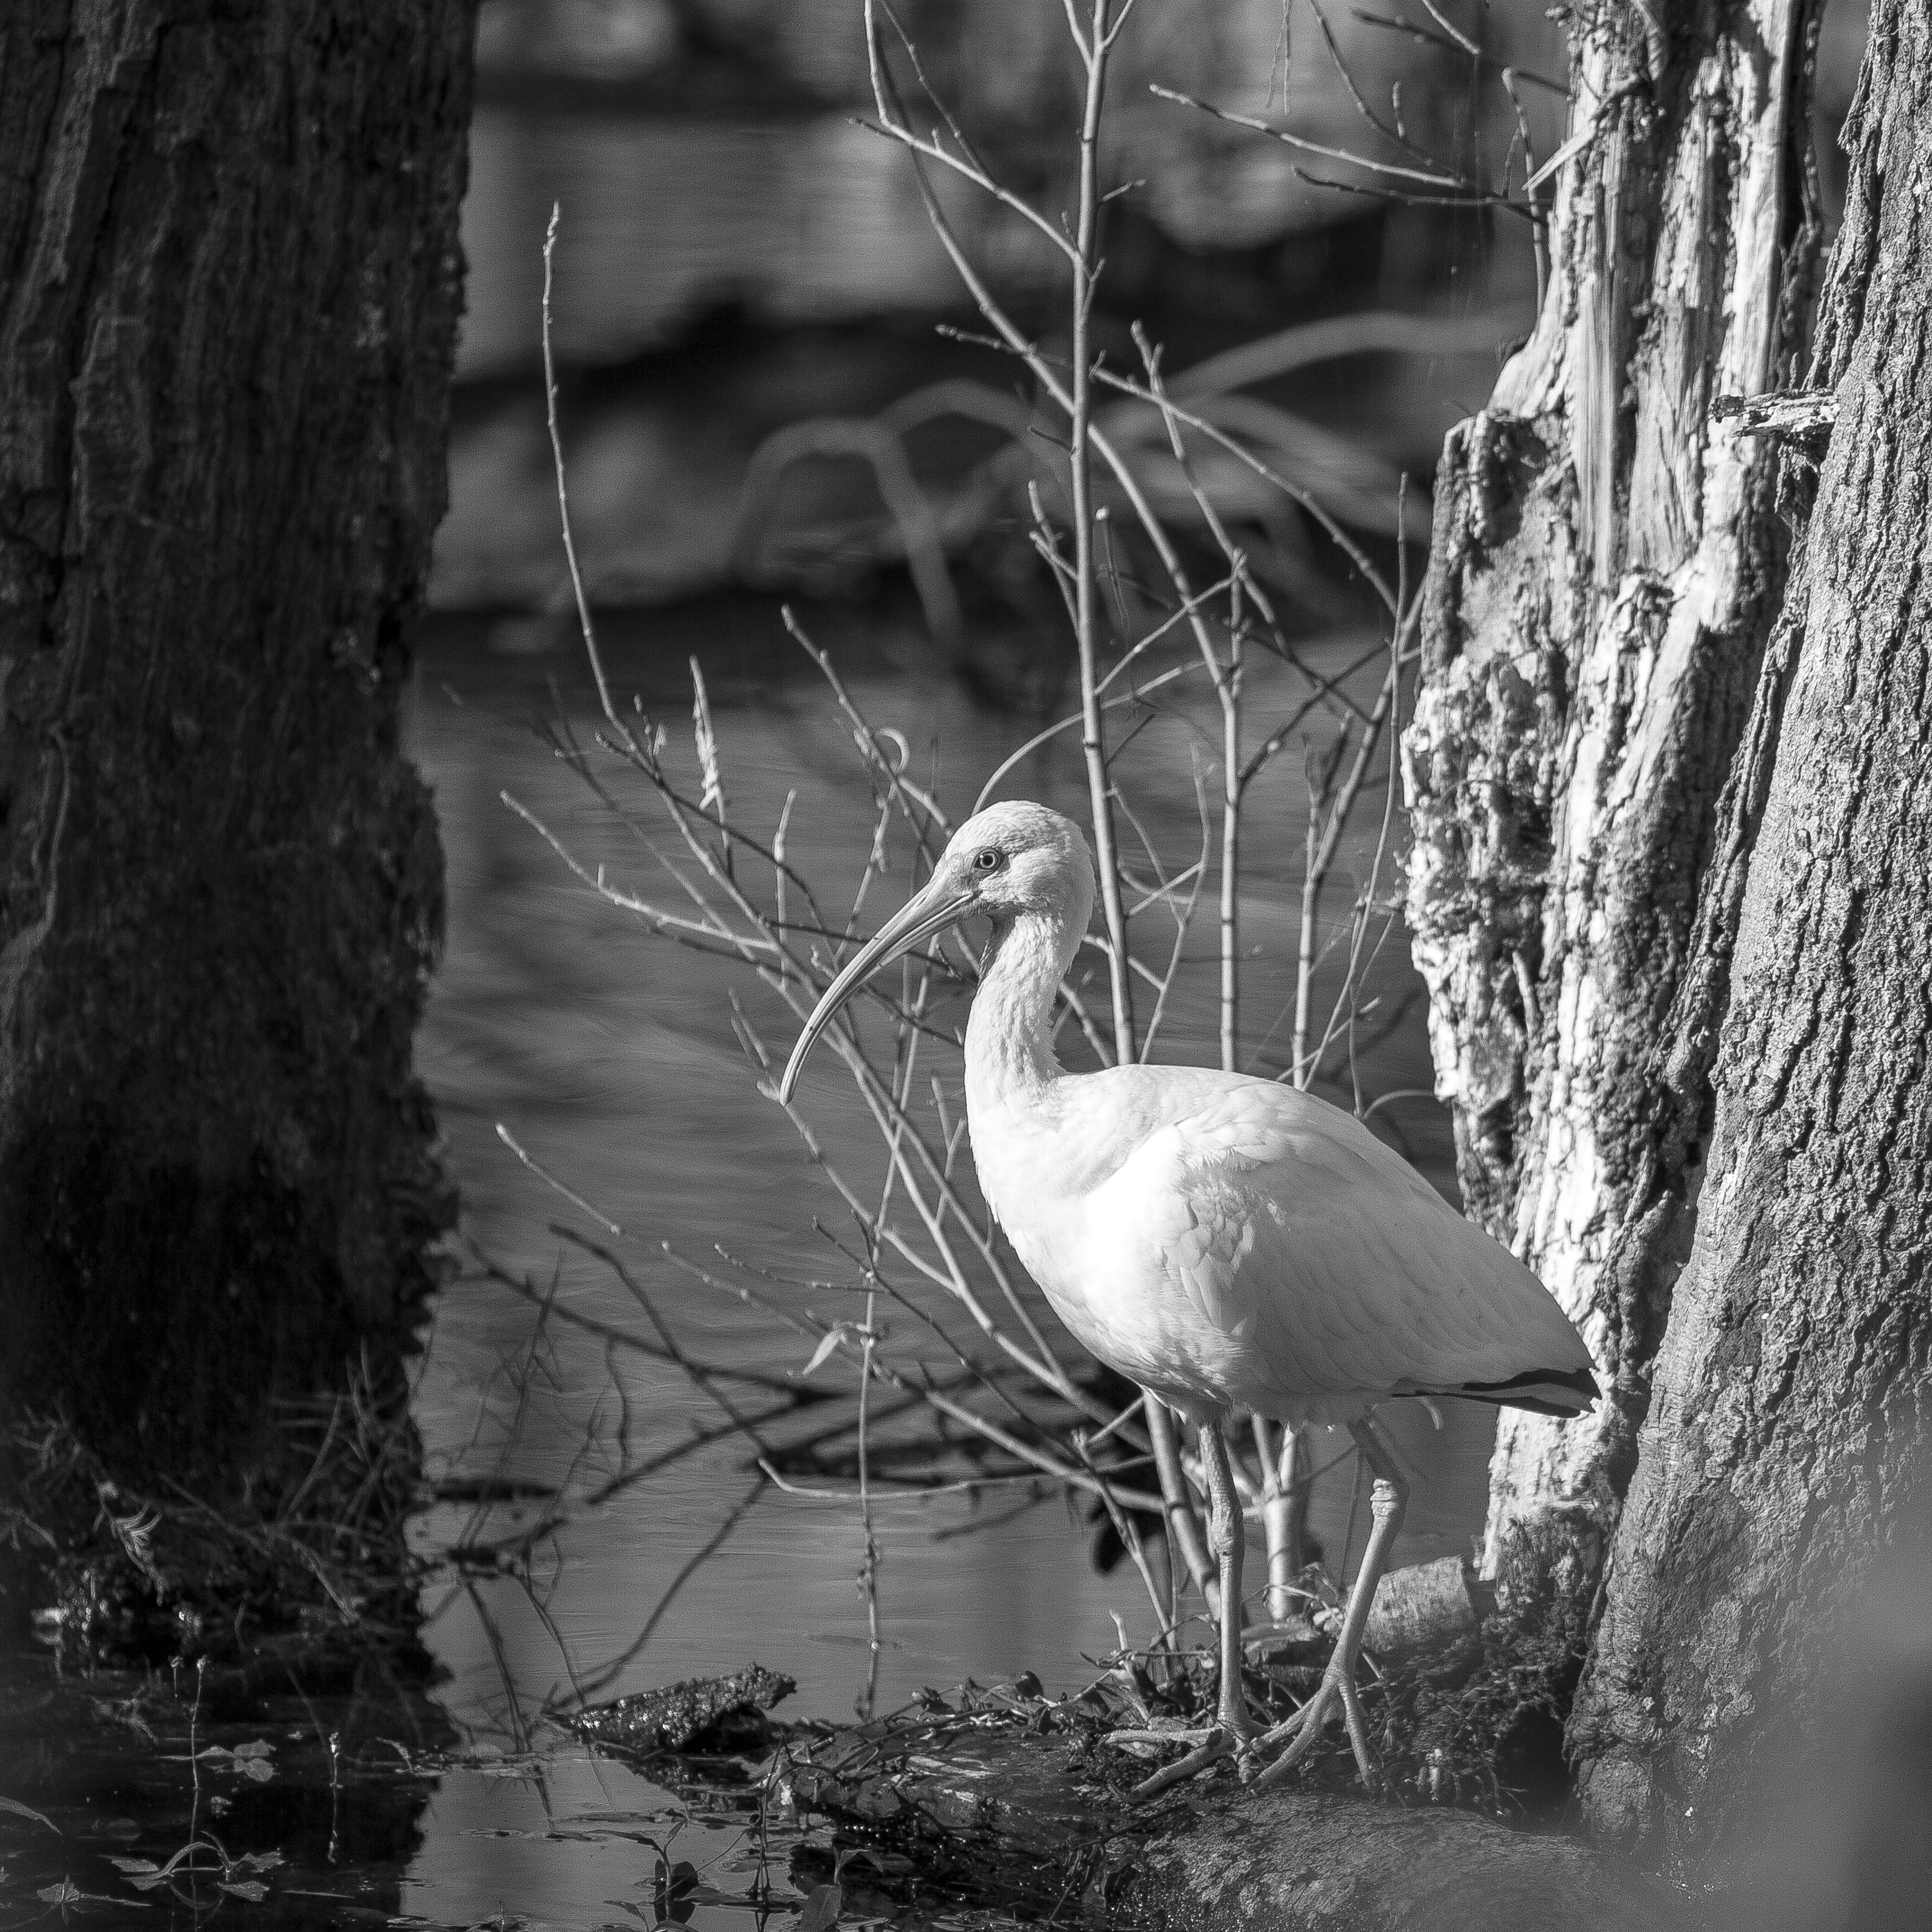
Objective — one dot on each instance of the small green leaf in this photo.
(258, 1747)
(252, 1889)
(256, 1770)
(20, 1810)
(133, 1866)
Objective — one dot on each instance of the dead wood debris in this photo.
(698, 1714)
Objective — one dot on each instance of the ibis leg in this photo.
(1388, 1501)
(1225, 1533)
(1183, 1526)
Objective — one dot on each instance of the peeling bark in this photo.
(229, 282)
(1793, 1393)
(1607, 562)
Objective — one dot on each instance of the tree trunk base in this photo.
(117, 1576)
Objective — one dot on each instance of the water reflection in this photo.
(611, 1056)
(333, 1811)
(576, 1836)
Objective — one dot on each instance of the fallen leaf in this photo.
(68, 1893)
(20, 1810)
(258, 1747)
(133, 1866)
(256, 1770)
(822, 1905)
(252, 1889)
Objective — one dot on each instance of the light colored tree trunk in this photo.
(1792, 1410)
(1606, 564)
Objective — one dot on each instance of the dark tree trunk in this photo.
(1793, 1395)
(229, 285)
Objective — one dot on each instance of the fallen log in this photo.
(1428, 1614)
(1023, 1807)
(1285, 1861)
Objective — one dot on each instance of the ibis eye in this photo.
(988, 858)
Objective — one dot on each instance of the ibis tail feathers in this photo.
(1561, 1392)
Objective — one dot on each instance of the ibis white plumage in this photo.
(1230, 1243)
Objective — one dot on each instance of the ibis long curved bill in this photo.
(942, 903)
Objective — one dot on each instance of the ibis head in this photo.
(1011, 861)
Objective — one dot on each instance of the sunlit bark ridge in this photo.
(1606, 563)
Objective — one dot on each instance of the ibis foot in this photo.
(1222, 1742)
(1232, 1720)
(1301, 1732)
(1386, 1501)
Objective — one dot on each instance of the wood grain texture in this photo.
(1287, 1860)
(1793, 1394)
(1606, 567)
(230, 283)
(1030, 1818)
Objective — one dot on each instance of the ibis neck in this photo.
(1010, 1057)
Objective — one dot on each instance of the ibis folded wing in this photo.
(1321, 1268)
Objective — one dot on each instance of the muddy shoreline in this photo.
(169, 1790)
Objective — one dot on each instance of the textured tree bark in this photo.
(1606, 564)
(230, 283)
(1793, 1393)
(1305, 1862)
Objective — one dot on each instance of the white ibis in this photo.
(1229, 1242)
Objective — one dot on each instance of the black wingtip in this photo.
(1559, 1392)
